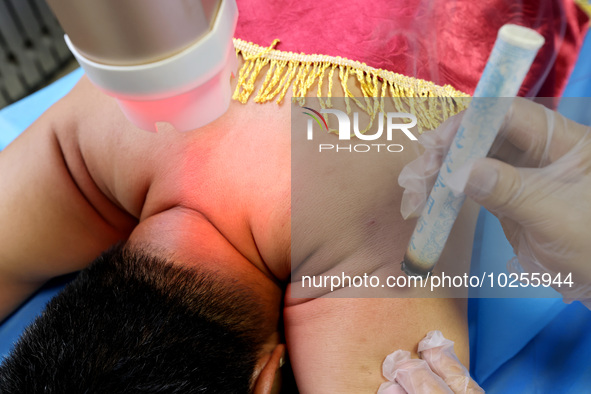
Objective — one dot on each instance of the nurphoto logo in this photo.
(394, 123)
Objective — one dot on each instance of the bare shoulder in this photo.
(120, 159)
(234, 171)
(56, 214)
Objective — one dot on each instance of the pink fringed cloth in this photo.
(433, 48)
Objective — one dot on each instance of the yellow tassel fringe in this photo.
(301, 72)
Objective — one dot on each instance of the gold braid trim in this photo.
(301, 72)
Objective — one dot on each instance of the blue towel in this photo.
(14, 325)
(18, 116)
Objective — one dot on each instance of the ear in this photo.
(269, 379)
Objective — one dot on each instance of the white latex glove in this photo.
(539, 188)
(437, 371)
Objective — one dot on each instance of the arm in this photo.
(53, 217)
(339, 344)
(345, 219)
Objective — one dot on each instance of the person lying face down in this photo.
(189, 292)
(207, 223)
(206, 216)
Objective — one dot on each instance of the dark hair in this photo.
(133, 322)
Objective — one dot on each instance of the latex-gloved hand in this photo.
(437, 371)
(538, 184)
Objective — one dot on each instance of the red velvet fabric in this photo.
(443, 41)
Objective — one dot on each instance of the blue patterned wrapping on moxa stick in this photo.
(507, 66)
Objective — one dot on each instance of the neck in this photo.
(187, 238)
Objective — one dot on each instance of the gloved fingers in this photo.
(532, 199)
(391, 388)
(417, 179)
(440, 138)
(504, 150)
(544, 211)
(416, 377)
(514, 266)
(523, 136)
(412, 204)
(413, 375)
(534, 136)
(439, 354)
(503, 189)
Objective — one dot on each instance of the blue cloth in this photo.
(502, 329)
(14, 325)
(517, 345)
(531, 345)
(556, 360)
(18, 116)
